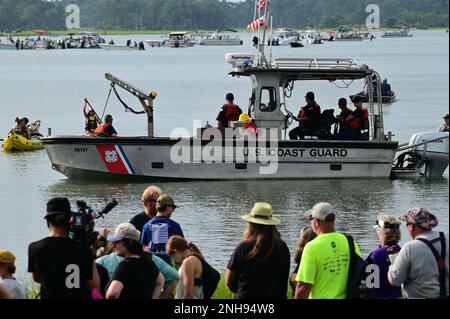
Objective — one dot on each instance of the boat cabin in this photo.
(272, 86)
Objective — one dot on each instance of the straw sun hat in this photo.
(261, 214)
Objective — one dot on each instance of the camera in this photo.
(83, 221)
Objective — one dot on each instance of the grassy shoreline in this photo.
(155, 32)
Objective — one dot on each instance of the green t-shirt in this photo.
(324, 265)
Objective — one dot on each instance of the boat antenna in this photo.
(262, 21)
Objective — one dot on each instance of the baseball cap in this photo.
(229, 96)
(322, 211)
(58, 205)
(6, 257)
(166, 200)
(125, 231)
(420, 217)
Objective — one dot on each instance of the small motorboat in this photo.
(17, 143)
(111, 47)
(388, 99)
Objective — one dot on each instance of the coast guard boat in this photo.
(218, 154)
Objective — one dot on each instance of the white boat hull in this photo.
(119, 47)
(150, 159)
(216, 42)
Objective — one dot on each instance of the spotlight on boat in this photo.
(239, 60)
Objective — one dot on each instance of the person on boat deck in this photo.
(92, 121)
(249, 125)
(386, 88)
(228, 112)
(308, 117)
(106, 129)
(21, 128)
(444, 126)
(354, 122)
(345, 113)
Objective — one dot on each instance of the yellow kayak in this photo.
(18, 143)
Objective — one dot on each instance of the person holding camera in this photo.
(64, 268)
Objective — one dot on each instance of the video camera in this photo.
(83, 221)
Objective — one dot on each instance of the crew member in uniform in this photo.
(355, 122)
(106, 129)
(308, 118)
(229, 112)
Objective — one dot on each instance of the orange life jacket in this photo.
(302, 113)
(100, 128)
(357, 122)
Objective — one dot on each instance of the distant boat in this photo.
(111, 47)
(7, 46)
(180, 40)
(404, 32)
(226, 37)
(346, 34)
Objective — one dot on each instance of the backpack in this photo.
(440, 259)
(356, 282)
(211, 278)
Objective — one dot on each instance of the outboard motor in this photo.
(435, 154)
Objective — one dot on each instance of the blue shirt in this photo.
(385, 89)
(157, 232)
(380, 257)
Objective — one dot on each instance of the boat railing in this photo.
(318, 63)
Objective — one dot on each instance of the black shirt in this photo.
(109, 129)
(138, 277)
(259, 278)
(58, 261)
(140, 220)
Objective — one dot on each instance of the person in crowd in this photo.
(137, 277)
(259, 266)
(22, 128)
(444, 126)
(157, 231)
(110, 260)
(7, 279)
(57, 259)
(106, 129)
(228, 112)
(111, 42)
(355, 122)
(185, 253)
(306, 235)
(92, 121)
(4, 293)
(386, 89)
(148, 200)
(308, 118)
(323, 270)
(344, 115)
(421, 266)
(388, 231)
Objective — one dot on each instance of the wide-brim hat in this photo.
(262, 213)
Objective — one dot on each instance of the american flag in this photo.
(262, 4)
(256, 24)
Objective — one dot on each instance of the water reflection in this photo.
(209, 211)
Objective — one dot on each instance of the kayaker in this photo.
(92, 122)
(444, 126)
(21, 128)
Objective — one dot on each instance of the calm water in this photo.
(191, 83)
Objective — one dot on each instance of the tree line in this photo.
(217, 14)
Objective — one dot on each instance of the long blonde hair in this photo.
(178, 243)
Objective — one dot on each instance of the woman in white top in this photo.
(190, 285)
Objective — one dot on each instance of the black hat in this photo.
(56, 206)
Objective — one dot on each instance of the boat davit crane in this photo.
(146, 99)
